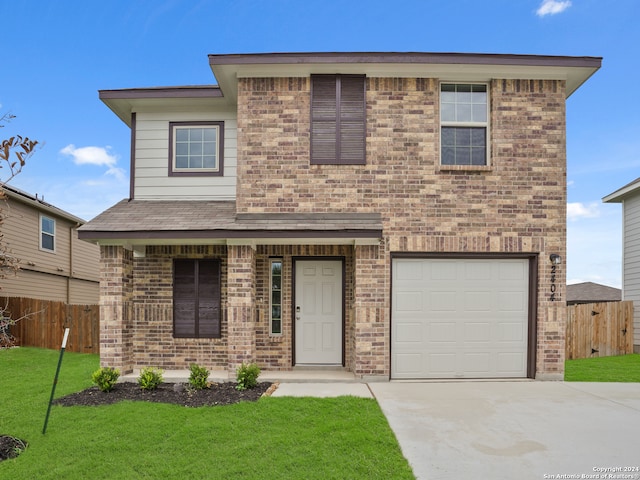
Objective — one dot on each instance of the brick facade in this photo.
(515, 205)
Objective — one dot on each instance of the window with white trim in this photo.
(196, 148)
(464, 124)
(47, 233)
(275, 297)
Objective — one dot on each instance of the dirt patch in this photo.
(174, 393)
(11, 447)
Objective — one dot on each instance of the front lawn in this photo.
(309, 438)
(624, 368)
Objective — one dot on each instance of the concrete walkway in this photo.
(515, 430)
(491, 429)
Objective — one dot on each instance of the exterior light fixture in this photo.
(555, 259)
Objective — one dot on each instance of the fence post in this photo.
(55, 379)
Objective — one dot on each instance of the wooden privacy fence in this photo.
(599, 330)
(44, 323)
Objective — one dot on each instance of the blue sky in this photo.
(57, 55)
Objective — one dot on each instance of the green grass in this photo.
(624, 368)
(309, 438)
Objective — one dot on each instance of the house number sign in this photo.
(553, 297)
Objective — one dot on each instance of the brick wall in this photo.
(152, 318)
(116, 329)
(516, 204)
(275, 352)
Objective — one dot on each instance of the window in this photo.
(196, 148)
(47, 233)
(275, 302)
(338, 117)
(196, 298)
(463, 124)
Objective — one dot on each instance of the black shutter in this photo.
(352, 120)
(209, 298)
(323, 119)
(196, 299)
(338, 119)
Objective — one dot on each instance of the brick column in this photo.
(241, 307)
(116, 287)
(371, 312)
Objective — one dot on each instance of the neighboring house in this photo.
(629, 197)
(391, 213)
(54, 264)
(589, 292)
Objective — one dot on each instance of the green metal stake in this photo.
(55, 380)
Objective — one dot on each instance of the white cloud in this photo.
(577, 210)
(90, 155)
(552, 7)
(98, 156)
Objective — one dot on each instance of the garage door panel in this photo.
(478, 270)
(459, 318)
(409, 364)
(443, 301)
(476, 364)
(409, 301)
(409, 332)
(477, 332)
(442, 332)
(478, 301)
(441, 365)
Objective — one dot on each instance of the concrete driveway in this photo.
(515, 430)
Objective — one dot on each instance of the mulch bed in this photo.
(175, 393)
(10, 447)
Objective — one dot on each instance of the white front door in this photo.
(318, 312)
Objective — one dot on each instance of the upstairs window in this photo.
(47, 233)
(463, 124)
(196, 148)
(338, 119)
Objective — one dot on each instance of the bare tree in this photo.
(14, 153)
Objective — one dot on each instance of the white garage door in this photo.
(459, 318)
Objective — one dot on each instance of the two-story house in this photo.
(401, 215)
(629, 197)
(54, 264)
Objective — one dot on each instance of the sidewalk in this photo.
(294, 383)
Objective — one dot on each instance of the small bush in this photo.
(247, 376)
(105, 378)
(150, 378)
(198, 377)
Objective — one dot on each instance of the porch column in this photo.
(371, 302)
(241, 307)
(116, 287)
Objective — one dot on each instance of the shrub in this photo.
(198, 377)
(150, 378)
(105, 378)
(247, 376)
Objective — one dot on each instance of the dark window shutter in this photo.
(323, 119)
(338, 119)
(209, 298)
(196, 299)
(352, 120)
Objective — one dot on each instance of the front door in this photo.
(318, 312)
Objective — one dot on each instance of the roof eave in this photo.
(123, 102)
(574, 70)
(619, 195)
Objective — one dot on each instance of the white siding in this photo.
(631, 280)
(152, 180)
